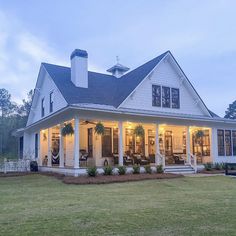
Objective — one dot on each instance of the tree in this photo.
(6, 106)
(24, 109)
(231, 111)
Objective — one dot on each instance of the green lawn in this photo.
(40, 205)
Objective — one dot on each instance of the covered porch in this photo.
(165, 144)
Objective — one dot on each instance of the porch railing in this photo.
(162, 160)
(15, 165)
(193, 161)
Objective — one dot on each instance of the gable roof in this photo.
(102, 88)
(106, 89)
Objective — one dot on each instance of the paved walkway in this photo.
(203, 175)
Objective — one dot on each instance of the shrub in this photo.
(92, 171)
(222, 165)
(159, 169)
(148, 169)
(107, 170)
(217, 166)
(34, 166)
(136, 169)
(208, 166)
(121, 170)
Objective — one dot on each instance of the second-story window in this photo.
(156, 95)
(51, 102)
(165, 96)
(175, 98)
(42, 107)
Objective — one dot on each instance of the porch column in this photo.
(49, 148)
(188, 149)
(213, 144)
(61, 154)
(157, 159)
(76, 142)
(120, 125)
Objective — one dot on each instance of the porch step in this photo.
(187, 169)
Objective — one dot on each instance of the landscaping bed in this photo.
(15, 174)
(212, 171)
(103, 179)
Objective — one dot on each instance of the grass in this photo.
(42, 205)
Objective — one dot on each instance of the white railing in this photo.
(193, 161)
(15, 165)
(162, 160)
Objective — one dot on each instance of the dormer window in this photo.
(51, 98)
(166, 97)
(42, 107)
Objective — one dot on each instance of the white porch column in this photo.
(188, 149)
(157, 158)
(76, 142)
(61, 154)
(213, 144)
(120, 125)
(49, 148)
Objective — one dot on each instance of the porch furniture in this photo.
(151, 158)
(140, 160)
(128, 160)
(83, 157)
(116, 158)
(178, 159)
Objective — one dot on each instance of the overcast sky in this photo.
(200, 34)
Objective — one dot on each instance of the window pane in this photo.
(221, 146)
(129, 142)
(156, 95)
(234, 142)
(165, 96)
(175, 98)
(228, 147)
(42, 107)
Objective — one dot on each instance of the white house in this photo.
(179, 130)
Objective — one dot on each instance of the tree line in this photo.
(14, 116)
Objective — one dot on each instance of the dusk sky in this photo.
(200, 34)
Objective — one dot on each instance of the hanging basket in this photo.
(99, 129)
(139, 131)
(67, 129)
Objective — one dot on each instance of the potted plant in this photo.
(99, 129)
(67, 129)
(139, 131)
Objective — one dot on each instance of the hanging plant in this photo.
(139, 131)
(198, 136)
(67, 129)
(99, 129)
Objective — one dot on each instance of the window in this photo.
(42, 107)
(115, 140)
(129, 141)
(175, 97)
(234, 142)
(51, 102)
(221, 146)
(201, 145)
(106, 143)
(228, 146)
(165, 96)
(156, 95)
(90, 142)
(36, 148)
